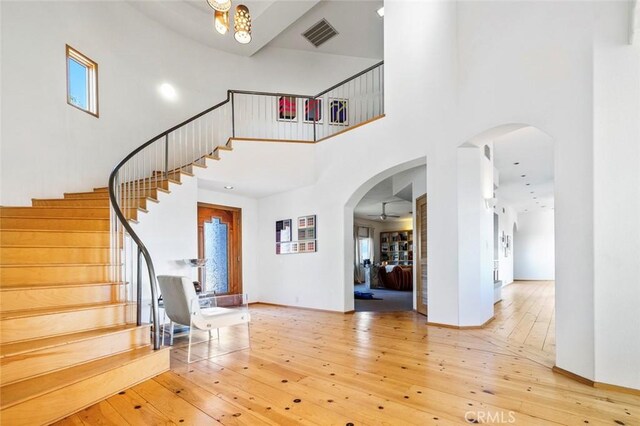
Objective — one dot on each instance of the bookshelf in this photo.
(396, 247)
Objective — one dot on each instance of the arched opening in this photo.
(398, 186)
(506, 183)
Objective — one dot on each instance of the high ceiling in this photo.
(360, 29)
(532, 150)
(278, 23)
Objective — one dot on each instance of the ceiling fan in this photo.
(384, 215)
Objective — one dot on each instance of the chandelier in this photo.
(241, 20)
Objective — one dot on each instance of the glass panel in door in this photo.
(216, 251)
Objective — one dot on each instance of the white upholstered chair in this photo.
(183, 306)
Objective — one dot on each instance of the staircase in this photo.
(67, 335)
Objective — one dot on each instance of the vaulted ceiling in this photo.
(278, 23)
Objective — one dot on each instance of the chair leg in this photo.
(171, 326)
(249, 334)
(189, 348)
(218, 330)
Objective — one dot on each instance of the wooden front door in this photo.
(421, 254)
(220, 242)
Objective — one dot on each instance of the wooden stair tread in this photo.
(67, 199)
(98, 194)
(51, 207)
(98, 198)
(15, 210)
(2, 246)
(56, 265)
(64, 231)
(27, 286)
(55, 217)
(11, 349)
(16, 393)
(55, 310)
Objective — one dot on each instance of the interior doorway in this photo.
(421, 255)
(220, 242)
(385, 249)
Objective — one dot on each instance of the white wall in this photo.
(617, 205)
(170, 232)
(303, 279)
(475, 236)
(534, 246)
(511, 72)
(49, 147)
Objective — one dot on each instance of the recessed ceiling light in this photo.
(523, 175)
(532, 192)
(380, 12)
(535, 198)
(543, 206)
(228, 187)
(168, 92)
(526, 210)
(528, 184)
(515, 164)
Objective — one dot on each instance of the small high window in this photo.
(82, 82)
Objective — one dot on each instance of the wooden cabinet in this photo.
(396, 247)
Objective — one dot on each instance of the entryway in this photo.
(386, 244)
(220, 242)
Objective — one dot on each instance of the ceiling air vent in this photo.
(320, 33)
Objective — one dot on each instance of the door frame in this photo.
(418, 259)
(235, 245)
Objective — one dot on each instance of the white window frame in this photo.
(92, 80)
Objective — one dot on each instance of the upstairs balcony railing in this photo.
(243, 115)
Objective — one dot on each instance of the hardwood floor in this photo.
(308, 367)
(526, 318)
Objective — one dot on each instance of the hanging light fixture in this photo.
(221, 21)
(241, 20)
(242, 24)
(220, 5)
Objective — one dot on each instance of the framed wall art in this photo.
(313, 111)
(287, 107)
(339, 112)
(283, 236)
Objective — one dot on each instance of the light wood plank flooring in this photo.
(525, 318)
(308, 367)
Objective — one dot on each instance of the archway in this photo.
(506, 179)
(349, 222)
